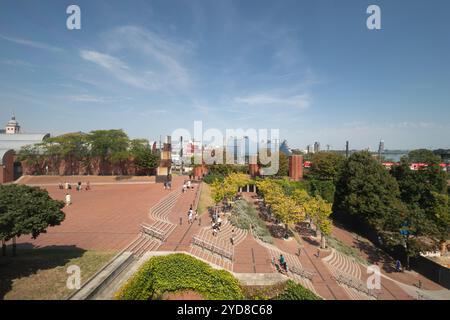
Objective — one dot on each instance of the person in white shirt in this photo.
(68, 199)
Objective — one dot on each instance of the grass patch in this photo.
(178, 273)
(206, 200)
(244, 215)
(40, 274)
(346, 249)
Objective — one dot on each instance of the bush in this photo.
(244, 215)
(294, 291)
(180, 272)
(209, 178)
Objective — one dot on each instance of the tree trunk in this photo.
(14, 247)
(3, 248)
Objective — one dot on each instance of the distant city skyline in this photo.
(309, 68)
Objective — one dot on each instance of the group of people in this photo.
(282, 263)
(67, 186)
(168, 185)
(192, 216)
(187, 185)
(216, 223)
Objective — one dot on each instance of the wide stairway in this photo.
(296, 271)
(153, 235)
(347, 272)
(217, 249)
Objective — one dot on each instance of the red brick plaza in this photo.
(110, 215)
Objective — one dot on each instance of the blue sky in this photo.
(309, 68)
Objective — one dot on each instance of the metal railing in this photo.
(204, 244)
(357, 284)
(154, 232)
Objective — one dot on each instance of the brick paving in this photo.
(107, 217)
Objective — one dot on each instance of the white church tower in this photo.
(12, 127)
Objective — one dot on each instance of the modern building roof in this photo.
(18, 140)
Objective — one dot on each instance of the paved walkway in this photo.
(107, 217)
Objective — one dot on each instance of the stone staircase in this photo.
(295, 269)
(217, 249)
(142, 244)
(347, 272)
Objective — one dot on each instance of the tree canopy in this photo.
(27, 210)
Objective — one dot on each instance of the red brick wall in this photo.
(7, 167)
(296, 167)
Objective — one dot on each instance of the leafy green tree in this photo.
(143, 156)
(423, 156)
(26, 210)
(108, 146)
(367, 191)
(326, 165)
(427, 220)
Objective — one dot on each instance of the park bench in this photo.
(206, 245)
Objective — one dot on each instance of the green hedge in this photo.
(294, 291)
(180, 272)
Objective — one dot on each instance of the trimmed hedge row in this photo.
(295, 291)
(180, 272)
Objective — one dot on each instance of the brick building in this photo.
(11, 141)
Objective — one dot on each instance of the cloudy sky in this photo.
(309, 68)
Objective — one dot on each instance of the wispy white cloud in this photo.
(117, 68)
(156, 62)
(30, 43)
(301, 101)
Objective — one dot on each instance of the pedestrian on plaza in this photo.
(398, 266)
(66, 185)
(61, 186)
(318, 253)
(79, 186)
(184, 187)
(196, 215)
(190, 217)
(189, 184)
(283, 263)
(232, 237)
(68, 199)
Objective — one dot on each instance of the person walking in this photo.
(66, 186)
(190, 217)
(68, 199)
(79, 186)
(232, 237)
(398, 266)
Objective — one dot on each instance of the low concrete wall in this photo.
(102, 278)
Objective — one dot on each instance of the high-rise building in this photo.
(381, 147)
(316, 147)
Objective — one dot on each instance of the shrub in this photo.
(180, 272)
(294, 291)
(244, 215)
